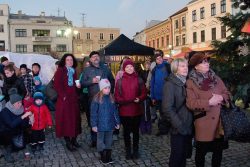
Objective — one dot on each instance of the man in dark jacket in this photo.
(90, 78)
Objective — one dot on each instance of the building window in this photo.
(21, 48)
(162, 41)
(167, 40)
(1, 12)
(213, 33)
(78, 36)
(194, 37)
(149, 44)
(223, 6)
(2, 45)
(101, 46)
(111, 36)
(177, 41)
(203, 36)
(21, 32)
(223, 32)
(41, 48)
(183, 21)
(176, 24)
(1, 28)
(194, 15)
(153, 43)
(183, 39)
(40, 33)
(158, 43)
(202, 13)
(89, 37)
(60, 33)
(213, 9)
(78, 48)
(101, 36)
(61, 48)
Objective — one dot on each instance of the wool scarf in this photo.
(70, 75)
(12, 109)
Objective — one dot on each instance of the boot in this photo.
(135, 152)
(40, 146)
(108, 156)
(69, 145)
(7, 154)
(75, 143)
(128, 153)
(104, 157)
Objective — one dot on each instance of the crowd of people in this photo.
(184, 95)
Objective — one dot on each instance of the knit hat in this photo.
(197, 58)
(127, 62)
(38, 95)
(37, 78)
(104, 83)
(3, 59)
(14, 96)
(23, 66)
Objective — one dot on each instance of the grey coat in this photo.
(174, 98)
(90, 72)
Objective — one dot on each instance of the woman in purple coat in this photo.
(68, 124)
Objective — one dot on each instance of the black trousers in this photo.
(131, 125)
(37, 136)
(180, 147)
(216, 147)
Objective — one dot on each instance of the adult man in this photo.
(90, 78)
(27, 79)
(159, 73)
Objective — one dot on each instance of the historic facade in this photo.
(4, 28)
(203, 25)
(159, 36)
(87, 39)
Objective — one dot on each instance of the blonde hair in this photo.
(99, 96)
(175, 64)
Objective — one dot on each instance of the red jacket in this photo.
(127, 93)
(27, 104)
(42, 117)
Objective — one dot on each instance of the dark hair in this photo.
(63, 59)
(23, 66)
(158, 52)
(57, 62)
(3, 59)
(93, 53)
(9, 67)
(36, 64)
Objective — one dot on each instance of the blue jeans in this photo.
(104, 140)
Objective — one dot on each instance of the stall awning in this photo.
(203, 49)
(246, 27)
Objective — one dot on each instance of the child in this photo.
(42, 118)
(104, 119)
(38, 84)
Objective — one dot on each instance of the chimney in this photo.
(42, 14)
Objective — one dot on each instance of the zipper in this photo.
(38, 116)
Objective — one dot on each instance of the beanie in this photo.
(37, 78)
(3, 59)
(103, 84)
(127, 62)
(38, 95)
(14, 96)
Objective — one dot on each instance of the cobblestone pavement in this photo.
(154, 152)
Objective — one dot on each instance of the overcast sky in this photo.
(128, 15)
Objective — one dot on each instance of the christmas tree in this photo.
(232, 62)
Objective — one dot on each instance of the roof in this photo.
(122, 45)
(27, 17)
(152, 23)
(180, 11)
(192, 1)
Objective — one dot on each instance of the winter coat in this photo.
(104, 115)
(42, 117)
(208, 125)
(29, 83)
(127, 92)
(11, 124)
(159, 74)
(91, 72)
(27, 103)
(13, 82)
(67, 113)
(174, 106)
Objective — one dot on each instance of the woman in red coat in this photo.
(67, 115)
(130, 91)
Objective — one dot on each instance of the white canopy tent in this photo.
(47, 63)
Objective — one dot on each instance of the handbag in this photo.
(235, 123)
(50, 92)
(17, 141)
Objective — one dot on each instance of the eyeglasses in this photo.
(205, 61)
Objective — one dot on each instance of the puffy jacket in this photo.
(127, 92)
(104, 115)
(159, 74)
(174, 107)
(42, 117)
